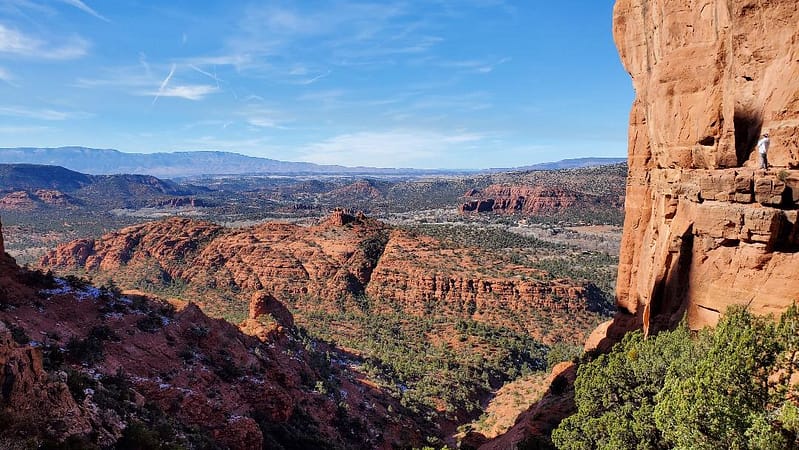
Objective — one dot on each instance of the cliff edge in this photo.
(705, 228)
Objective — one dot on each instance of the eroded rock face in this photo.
(31, 400)
(705, 229)
(29, 200)
(531, 200)
(240, 392)
(277, 264)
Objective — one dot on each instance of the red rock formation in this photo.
(2, 244)
(344, 255)
(339, 217)
(198, 372)
(26, 201)
(53, 197)
(32, 401)
(533, 200)
(704, 229)
(528, 200)
(418, 272)
(263, 303)
(17, 201)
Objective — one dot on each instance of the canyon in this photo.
(705, 228)
(92, 368)
(344, 255)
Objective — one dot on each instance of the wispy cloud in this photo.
(409, 148)
(11, 129)
(274, 39)
(232, 59)
(42, 114)
(187, 91)
(312, 80)
(15, 42)
(145, 64)
(264, 117)
(137, 79)
(474, 65)
(85, 8)
(6, 76)
(207, 74)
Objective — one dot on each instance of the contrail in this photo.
(85, 8)
(164, 83)
(207, 74)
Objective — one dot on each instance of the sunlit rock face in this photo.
(704, 227)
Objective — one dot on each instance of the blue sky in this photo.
(427, 84)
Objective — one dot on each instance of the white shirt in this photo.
(762, 145)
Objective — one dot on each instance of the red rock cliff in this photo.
(342, 256)
(704, 228)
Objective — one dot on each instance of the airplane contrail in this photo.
(164, 83)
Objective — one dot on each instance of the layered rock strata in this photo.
(345, 255)
(80, 367)
(704, 228)
(532, 200)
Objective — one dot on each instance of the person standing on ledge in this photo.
(762, 149)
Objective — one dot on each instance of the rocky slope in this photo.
(89, 368)
(343, 256)
(705, 228)
(594, 194)
(538, 200)
(39, 198)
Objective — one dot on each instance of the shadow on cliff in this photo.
(670, 297)
(747, 123)
(597, 300)
(668, 304)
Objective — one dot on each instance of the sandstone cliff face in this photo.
(344, 255)
(704, 228)
(532, 200)
(29, 200)
(420, 274)
(94, 362)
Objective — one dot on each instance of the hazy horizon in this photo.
(472, 84)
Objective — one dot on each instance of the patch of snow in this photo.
(63, 287)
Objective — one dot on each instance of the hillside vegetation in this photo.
(728, 387)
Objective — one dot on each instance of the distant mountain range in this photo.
(30, 186)
(35, 176)
(575, 163)
(181, 164)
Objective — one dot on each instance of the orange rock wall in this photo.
(531, 200)
(341, 257)
(704, 229)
